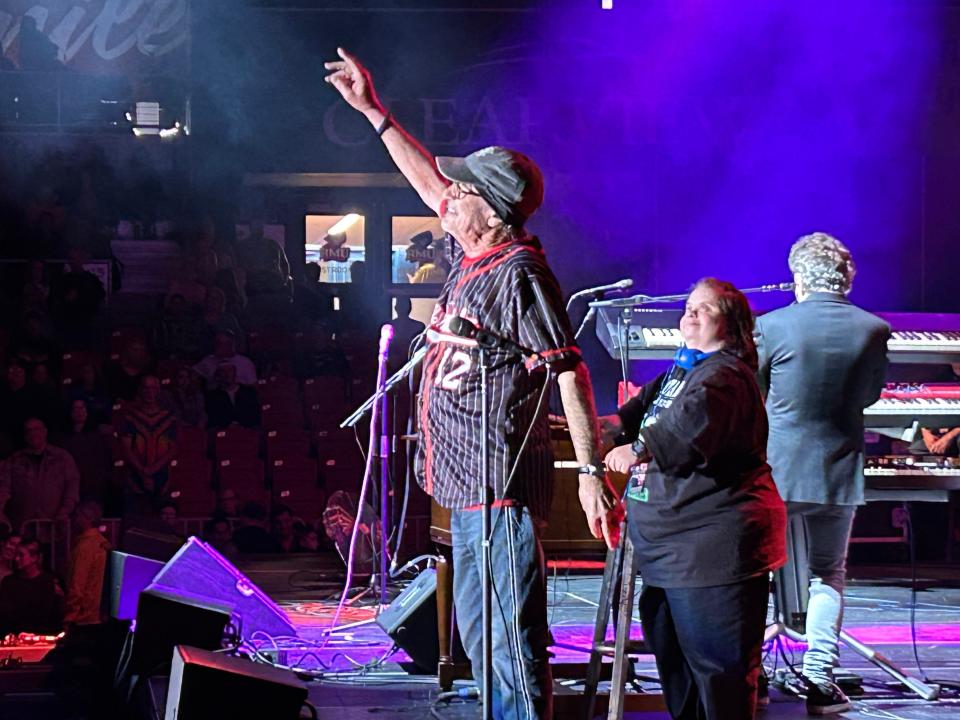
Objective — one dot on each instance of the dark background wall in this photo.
(679, 139)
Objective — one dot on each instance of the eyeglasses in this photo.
(462, 189)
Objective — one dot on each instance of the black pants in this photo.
(707, 642)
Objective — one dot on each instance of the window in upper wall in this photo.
(336, 243)
(419, 252)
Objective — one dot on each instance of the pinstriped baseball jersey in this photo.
(509, 291)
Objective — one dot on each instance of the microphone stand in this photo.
(384, 386)
(486, 579)
(391, 382)
(635, 300)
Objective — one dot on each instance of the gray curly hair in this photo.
(823, 263)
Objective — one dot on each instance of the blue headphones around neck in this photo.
(688, 358)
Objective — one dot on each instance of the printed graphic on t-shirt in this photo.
(670, 389)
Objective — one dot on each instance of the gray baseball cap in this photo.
(508, 180)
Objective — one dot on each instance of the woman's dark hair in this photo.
(737, 319)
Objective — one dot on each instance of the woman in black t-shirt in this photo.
(704, 516)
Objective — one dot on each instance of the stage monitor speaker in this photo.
(151, 542)
(411, 621)
(127, 576)
(206, 685)
(167, 619)
(793, 579)
(198, 570)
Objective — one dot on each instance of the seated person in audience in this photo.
(216, 532)
(40, 482)
(30, 599)
(123, 377)
(320, 355)
(90, 448)
(46, 396)
(179, 331)
(89, 388)
(187, 284)
(225, 351)
(284, 528)
(170, 516)
(16, 402)
(185, 400)
(149, 441)
(227, 504)
(251, 535)
(88, 559)
(36, 289)
(34, 342)
(9, 542)
(78, 296)
(215, 319)
(307, 538)
(231, 403)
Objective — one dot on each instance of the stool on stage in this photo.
(616, 591)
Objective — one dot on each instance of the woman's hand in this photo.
(620, 459)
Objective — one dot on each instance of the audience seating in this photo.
(340, 463)
(244, 476)
(281, 414)
(295, 484)
(236, 443)
(286, 444)
(191, 443)
(191, 488)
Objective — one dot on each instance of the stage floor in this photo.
(877, 615)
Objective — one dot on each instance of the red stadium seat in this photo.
(295, 484)
(191, 443)
(286, 444)
(190, 486)
(324, 389)
(236, 442)
(244, 476)
(73, 362)
(340, 464)
(281, 414)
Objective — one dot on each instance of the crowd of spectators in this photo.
(96, 415)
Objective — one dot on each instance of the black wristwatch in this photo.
(639, 447)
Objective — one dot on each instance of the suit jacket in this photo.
(822, 361)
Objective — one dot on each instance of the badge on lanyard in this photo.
(636, 483)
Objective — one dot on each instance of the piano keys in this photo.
(927, 405)
(923, 337)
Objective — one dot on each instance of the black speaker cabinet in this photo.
(199, 570)
(411, 621)
(127, 575)
(206, 685)
(166, 619)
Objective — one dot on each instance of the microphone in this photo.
(601, 289)
(386, 335)
(462, 327)
(778, 287)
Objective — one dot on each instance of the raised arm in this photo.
(354, 83)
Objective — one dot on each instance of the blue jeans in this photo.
(522, 684)
(707, 643)
(828, 532)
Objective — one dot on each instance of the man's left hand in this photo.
(602, 508)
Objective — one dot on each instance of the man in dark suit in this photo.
(822, 361)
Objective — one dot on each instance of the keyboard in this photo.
(923, 337)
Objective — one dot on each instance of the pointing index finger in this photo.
(348, 59)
